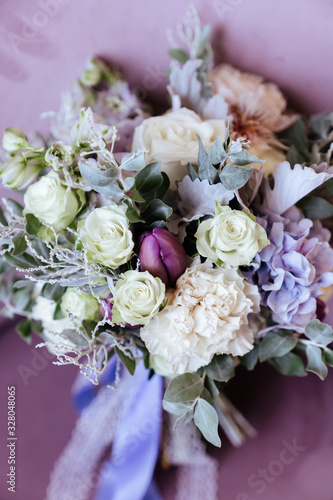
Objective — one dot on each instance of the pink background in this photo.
(289, 42)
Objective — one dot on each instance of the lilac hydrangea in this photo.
(291, 271)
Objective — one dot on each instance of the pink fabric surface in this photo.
(288, 42)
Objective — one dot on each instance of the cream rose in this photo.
(106, 236)
(52, 202)
(172, 140)
(208, 315)
(231, 236)
(81, 305)
(137, 298)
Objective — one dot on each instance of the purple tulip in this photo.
(162, 254)
(106, 307)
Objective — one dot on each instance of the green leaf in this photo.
(131, 213)
(21, 298)
(206, 170)
(3, 219)
(251, 358)
(53, 291)
(217, 153)
(233, 177)
(274, 346)
(206, 419)
(14, 206)
(290, 364)
(39, 246)
(179, 55)
(127, 362)
(211, 386)
(191, 172)
(134, 195)
(20, 245)
(33, 225)
(321, 123)
(297, 136)
(328, 356)
(315, 208)
(244, 158)
(221, 368)
(156, 211)
(133, 162)
(315, 361)
(148, 179)
(24, 329)
(319, 332)
(186, 387)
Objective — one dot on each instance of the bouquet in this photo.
(159, 253)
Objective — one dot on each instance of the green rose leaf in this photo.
(206, 419)
(20, 245)
(178, 54)
(290, 364)
(133, 162)
(148, 179)
(315, 361)
(221, 368)
(274, 346)
(156, 211)
(33, 225)
(319, 332)
(24, 261)
(186, 387)
(206, 169)
(251, 358)
(131, 213)
(126, 361)
(315, 208)
(233, 177)
(244, 158)
(217, 153)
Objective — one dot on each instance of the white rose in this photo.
(81, 305)
(106, 236)
(209, 315)
(52, 202)
(137, 298)
(231, 236)
(172, 140)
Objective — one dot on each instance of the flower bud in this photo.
(80, 304)
(59, 155)
(14, 139)
(19, 172)
(162, 254)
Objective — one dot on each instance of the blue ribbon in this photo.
(128, 474)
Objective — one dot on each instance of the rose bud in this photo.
(162, 254)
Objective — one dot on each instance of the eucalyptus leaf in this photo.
(290, 364)
(178, 409)
(191, 172)
(315, 361)
(328, 356)
(14, 206)
(221, 368)
(274, 346)
(102, 181)
(205, 170)
(133, 162)
(21, 298)
(53, 291)
(206, 419)
(234, 177)
(319, 332)
(183, 388)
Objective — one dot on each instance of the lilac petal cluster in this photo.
(291, 271)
